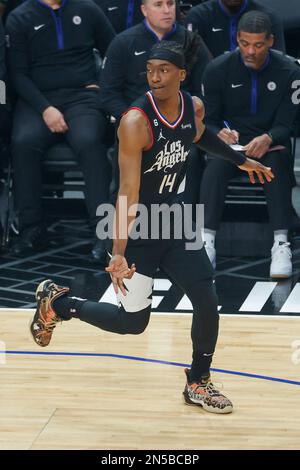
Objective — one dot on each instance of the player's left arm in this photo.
(206, 140)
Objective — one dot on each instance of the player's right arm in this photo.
(212, 144)
(134, 137)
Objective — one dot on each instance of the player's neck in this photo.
(169, 107)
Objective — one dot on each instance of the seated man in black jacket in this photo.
(53, 69)
(123, 78)
(251, 91)
(216, 21)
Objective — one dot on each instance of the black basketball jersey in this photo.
(164, 162)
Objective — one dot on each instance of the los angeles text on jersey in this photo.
(170, 155)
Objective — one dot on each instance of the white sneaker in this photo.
(211, 253)
(281, 265)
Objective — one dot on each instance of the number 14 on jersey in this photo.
(167, 182)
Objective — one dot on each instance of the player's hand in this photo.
(258, 147)
(262, 172)
(54, 120)
(118, 269)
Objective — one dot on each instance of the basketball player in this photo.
(162, 120)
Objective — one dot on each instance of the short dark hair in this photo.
(255, 22)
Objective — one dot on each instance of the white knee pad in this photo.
(138, 294)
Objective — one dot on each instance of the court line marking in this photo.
(154, 361)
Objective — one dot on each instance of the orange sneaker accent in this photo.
(205, 394)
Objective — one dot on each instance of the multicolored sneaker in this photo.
(204, 393)
(45, 318)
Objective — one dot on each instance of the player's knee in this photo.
(203, 297)
(138, 321)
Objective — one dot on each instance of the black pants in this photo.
(5, 123)
(32, 138)
(190, 269)
(278, 192)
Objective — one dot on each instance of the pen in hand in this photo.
(228, 127)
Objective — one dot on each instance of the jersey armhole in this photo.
(194, 113)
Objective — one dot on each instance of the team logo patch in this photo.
(77, 20)
(271, 86)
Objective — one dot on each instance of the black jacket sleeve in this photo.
(18, 66)
(104, 32)
(212, 144)
(113, 78)
(287, 111)
(212, 97)
(198, 20)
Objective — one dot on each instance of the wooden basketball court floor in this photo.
(94, 390)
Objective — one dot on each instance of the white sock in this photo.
(209, 237)
(280, 236)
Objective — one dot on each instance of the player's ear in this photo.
(182, 75)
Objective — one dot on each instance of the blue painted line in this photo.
(154, 361)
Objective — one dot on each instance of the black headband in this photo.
(170, 56)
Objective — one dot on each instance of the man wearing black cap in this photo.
(155, 137)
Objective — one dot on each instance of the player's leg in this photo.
(192, 272)
(212, 195)
(279, 199)
(131, 316)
